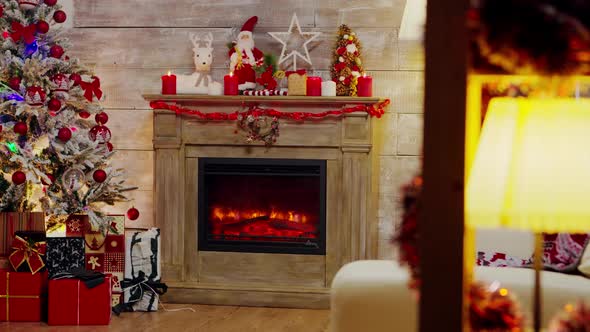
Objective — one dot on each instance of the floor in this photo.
(203, 319)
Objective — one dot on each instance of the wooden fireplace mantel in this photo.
(262, 279)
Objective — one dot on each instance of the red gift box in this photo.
(22, 296)
(72, 303)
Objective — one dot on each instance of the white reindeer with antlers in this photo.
(200, 81)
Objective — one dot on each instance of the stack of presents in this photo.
(62, 270)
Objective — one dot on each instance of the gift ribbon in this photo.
(27, 33)
(298, 72)
(8, 296)
(27, 252)
(92, 88)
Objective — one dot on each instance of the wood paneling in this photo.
(132, 129)
(261, 269)
(138, 165)
(143, 200)
(129, 47)
(359, 13)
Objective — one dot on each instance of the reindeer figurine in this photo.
(200, 81)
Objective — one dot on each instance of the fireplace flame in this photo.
(225, 215)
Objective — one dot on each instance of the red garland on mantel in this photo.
(254, 120)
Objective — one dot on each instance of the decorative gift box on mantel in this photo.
(297, 82)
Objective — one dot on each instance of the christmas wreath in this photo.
(531, 36)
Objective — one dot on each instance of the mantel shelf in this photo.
(254, 100)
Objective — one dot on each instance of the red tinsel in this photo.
(376, 110)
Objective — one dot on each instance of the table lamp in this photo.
(531, 171)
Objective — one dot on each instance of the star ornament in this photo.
(285, 37)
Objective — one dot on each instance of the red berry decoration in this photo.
(133, 214)
(99, 175)
(84, 115)
(76, 78)
(42, 26)
(51, 179)
(50, 3)
(14, 83)
(21, 128)
(64, 134)
(59, 16)
(56, 51)
(101, 118)
(19, 177)
(54, 105)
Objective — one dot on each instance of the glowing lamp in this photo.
(531, 171)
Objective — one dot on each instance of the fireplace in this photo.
(262, 205)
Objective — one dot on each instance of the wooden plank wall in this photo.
(132, 43)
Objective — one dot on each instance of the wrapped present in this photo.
(105, 252)
(28, 252)
(73, 301)
(142, 267)
(11, 222)
(22, 296)
(65, 225)
(142, 294)
(64, 254)
(297, 82)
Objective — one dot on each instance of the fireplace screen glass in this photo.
(262, 205)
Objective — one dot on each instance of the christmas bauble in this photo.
(42, 26)
(100, 134)
(14, 83)
(76, 78)
(73, 179)
(54, 105)
(59, 16)
(28, 4)
(1, 11)
(51, 179)
(101, 118)
(64, 134)
(99, 175)
(133, 213)
(56, 51)
(50, 3)
(35, 96)
(21, 128)
(84, 115)
(19, 177)
(109, 145)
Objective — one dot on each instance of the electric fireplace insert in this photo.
(262, 205)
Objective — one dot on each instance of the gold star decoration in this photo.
(285, 38)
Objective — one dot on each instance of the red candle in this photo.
(365, 86)
(230, 85)
(169, 84)
(314, 86)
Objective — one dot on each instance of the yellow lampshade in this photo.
(531, 170)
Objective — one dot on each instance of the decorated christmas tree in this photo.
(347, 65)
(54, 145)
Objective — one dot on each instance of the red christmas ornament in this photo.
(59, 16)
(76, 78)
(1, 11)
(0, 128)
(42, 26)
(19, 177)
(64, 134)
(14, 83)
(54, 105)
(56, 51)
(84, 115)
(21, 128)
(51, 179)
(133, 214)
(109, 146)
(101, 118)
(99, 175)
(50, 3)
(101, 134)
(35, 96)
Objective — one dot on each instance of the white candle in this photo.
(215, 89)
(329, 89)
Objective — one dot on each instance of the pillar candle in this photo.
(169, 84)
(329, 89)
(365, 86)
(230, 84)
(314, 86)
(215, 89)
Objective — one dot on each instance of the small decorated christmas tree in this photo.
(54, 145)
(347, 65)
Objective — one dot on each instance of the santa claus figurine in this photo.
(244, 56)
